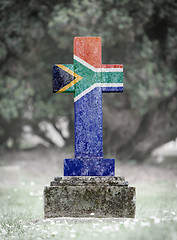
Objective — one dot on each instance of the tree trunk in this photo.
(156, 127)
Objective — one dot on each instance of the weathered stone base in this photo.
(89, 197)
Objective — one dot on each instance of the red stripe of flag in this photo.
(112, 66)
(89, 50)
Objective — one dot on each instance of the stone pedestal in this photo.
(89, 197)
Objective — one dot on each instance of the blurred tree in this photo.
(141, 35)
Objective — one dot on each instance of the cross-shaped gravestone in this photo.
(80, 194)
(88, 78)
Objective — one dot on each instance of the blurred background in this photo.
(141, 35)
(37, 126)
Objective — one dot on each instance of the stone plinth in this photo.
(89, 197)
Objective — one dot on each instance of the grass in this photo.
(21, 216)
(21, 202)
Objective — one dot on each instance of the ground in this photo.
(23, 176)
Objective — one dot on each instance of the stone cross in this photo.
(88, 187)
(88, 78)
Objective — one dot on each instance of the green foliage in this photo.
(21, 216)
(36, 34)
(15, 96)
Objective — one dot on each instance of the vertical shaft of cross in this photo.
(88, 108)
(88, 126)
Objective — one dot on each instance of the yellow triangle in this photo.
(75, 75)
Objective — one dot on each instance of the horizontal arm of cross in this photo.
(87, 72)
(109, 78)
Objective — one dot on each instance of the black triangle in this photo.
(61, 78)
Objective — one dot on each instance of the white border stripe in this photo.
(112, 69)
(97, 85)
(97, 69)
(85, 63)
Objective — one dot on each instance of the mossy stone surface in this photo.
(97, 198)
